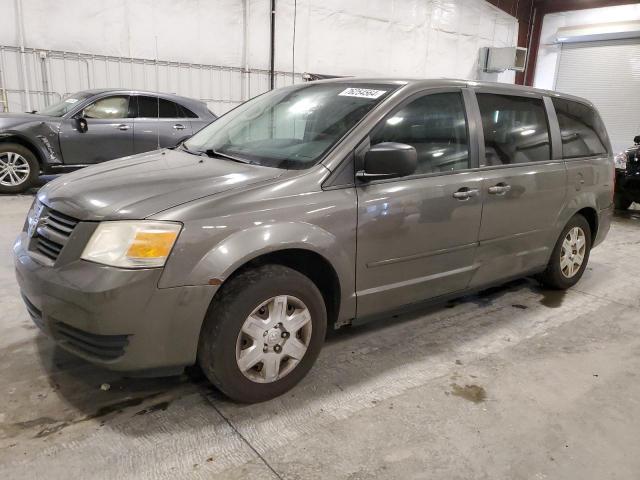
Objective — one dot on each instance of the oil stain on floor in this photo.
(473, 393)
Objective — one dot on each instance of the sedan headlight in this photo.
(621, 161)
(140, 244)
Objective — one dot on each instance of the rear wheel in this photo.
(19, 168)
(621, 202)
(262, 333)
(570, 255)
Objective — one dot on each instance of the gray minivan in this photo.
(308, 207)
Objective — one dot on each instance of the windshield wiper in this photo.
(214, 153)
(184, 148)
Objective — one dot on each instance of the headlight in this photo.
(621, 161)
(141, 244)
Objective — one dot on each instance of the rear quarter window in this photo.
(582, 131)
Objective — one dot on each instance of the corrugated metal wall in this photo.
(590, 69)
(54, 74)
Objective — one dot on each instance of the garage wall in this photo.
(414, 38)
(546, 65)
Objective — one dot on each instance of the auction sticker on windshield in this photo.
(362, 93)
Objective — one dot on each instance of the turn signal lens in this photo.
(152, 244)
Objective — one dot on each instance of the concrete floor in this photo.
(515, 383)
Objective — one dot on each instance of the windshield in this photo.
(64, 105)
(290, 127)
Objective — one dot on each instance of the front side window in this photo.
(155, 107)
(436, 126)
(515, 129)
(291, 127)
(582, 132)
(109, 107)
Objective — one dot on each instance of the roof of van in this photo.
(452, 82)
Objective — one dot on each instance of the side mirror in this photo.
(636, 139)
(82, 125)
(389, 160)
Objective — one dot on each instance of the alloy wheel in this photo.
(14, 169)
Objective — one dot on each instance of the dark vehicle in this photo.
(309, 207)
(628, 176)
(91, 127)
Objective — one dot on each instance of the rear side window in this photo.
(583, 133)
(515, 129)
(436, 126)
(154, 107)
(185, 112)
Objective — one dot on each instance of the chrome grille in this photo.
(52, 233)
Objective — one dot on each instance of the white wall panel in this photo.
(404, 38)
(192, 31)
(413, 38)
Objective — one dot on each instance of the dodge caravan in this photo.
(306, 208)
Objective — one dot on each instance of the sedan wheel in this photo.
(14, 169)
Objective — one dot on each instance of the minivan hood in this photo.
(142, 185)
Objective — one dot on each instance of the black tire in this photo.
(226, 316)
(621, 202)
(34, 167)
(553, 277)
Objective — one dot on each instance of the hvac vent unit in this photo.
(496, 60)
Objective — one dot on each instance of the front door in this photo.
(417, 235)
(109, 132)
(523, 187)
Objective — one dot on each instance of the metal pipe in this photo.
(272, 76)
(3, 83)
(246, 86)
(45, 77)
(23, 62)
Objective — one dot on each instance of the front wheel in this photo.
(263, 333)
(570, 255)
(19, 168)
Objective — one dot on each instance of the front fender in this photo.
(42, 137)
(247, 244)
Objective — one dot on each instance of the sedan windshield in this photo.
(64, 105)
(290, 127)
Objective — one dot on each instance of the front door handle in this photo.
(465, 193)
(499, 189)
(123, 126)
(178, 126)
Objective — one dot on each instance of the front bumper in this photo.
(113, 317)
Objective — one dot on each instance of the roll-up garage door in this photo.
(608, 74)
